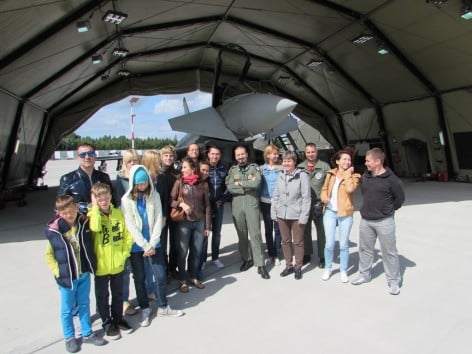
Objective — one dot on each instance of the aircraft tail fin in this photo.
(206, 122)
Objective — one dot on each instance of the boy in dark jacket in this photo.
(70, 256)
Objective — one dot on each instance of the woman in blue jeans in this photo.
(269, 171)
(336, 194)
(142, 209)
(195, 202)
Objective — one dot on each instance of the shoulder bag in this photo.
(178, 214)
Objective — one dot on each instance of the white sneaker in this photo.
(145, 314)
(344, 277)
(394, 289)
(168, 312)
(219, 264)
(277, 261)
(326, 274)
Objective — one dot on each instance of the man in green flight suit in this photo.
(243, 181)
(317, 170)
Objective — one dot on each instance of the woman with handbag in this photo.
(290, 207)
(337, 195)
(191, 195)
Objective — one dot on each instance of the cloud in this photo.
(171, 106)
(151, 115)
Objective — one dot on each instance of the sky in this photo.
(151, 115)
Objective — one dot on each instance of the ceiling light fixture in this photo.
(123, 72)
(83, 26)
(382, 50)
(96, 59)
(314, 63)
(114, 17)
(120, 52)
(466, 11)
(362, 38)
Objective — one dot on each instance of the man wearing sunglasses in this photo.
(79, 183)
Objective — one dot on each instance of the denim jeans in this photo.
(272, 231)
(190, 240)
(330, 219)
(216, 223)
(158, 268)
(78, 296)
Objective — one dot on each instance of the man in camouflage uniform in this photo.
(243, 182)
(317, 170)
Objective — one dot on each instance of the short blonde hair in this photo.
(152, 160)
(99, 189)
(64, 202)
(168, 149)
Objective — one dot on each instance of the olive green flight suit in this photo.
(317, 177)
(245, 210)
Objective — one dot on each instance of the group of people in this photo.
(112, 230)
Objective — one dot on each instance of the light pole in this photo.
(132, 101)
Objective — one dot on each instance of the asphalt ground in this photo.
(240, 312)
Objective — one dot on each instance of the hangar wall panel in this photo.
(28, 135)
(9, 106)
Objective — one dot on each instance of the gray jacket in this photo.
(292, 197)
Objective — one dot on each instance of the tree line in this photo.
(108, 142)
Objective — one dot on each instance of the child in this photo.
(142, 209)
(112, 244)
(70, 256)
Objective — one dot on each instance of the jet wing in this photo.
(206, 122)
(289, 124)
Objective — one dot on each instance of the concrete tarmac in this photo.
(240, 312)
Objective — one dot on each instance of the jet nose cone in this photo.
(286, 105)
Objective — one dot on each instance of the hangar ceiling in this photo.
(300, 49)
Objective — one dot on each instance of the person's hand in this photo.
(185, 207)
(218, 203)
(149, 253)
(206, 233)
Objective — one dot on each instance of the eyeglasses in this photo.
(88, 153)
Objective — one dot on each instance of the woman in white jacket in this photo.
(291, 203)
(141, 206)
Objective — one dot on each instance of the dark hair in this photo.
(85, 144)
(209, 147)
(240, 146)
(190, 162)
(337, 156)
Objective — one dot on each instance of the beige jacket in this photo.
(348, 185)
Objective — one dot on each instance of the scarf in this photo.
(192, 179)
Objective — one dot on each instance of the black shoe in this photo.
(298, 274)
(246, 265)
(322, 263)
(306, 259)
(287, 271)
(263, 272)
(112, 331)
(124, 326)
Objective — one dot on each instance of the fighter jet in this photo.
(236, 119)
(240, 117)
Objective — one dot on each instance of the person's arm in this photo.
(306, 198)
(275, 200)
(398, 193)
(324, 196)
(207, 205)
(156, 228)
(253, 180)
(351, 180)
(135, 231)
(174, 195)
(233, 188)
(51, 261)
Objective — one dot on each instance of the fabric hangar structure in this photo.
(388, 73)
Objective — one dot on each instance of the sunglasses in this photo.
(88, 153)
